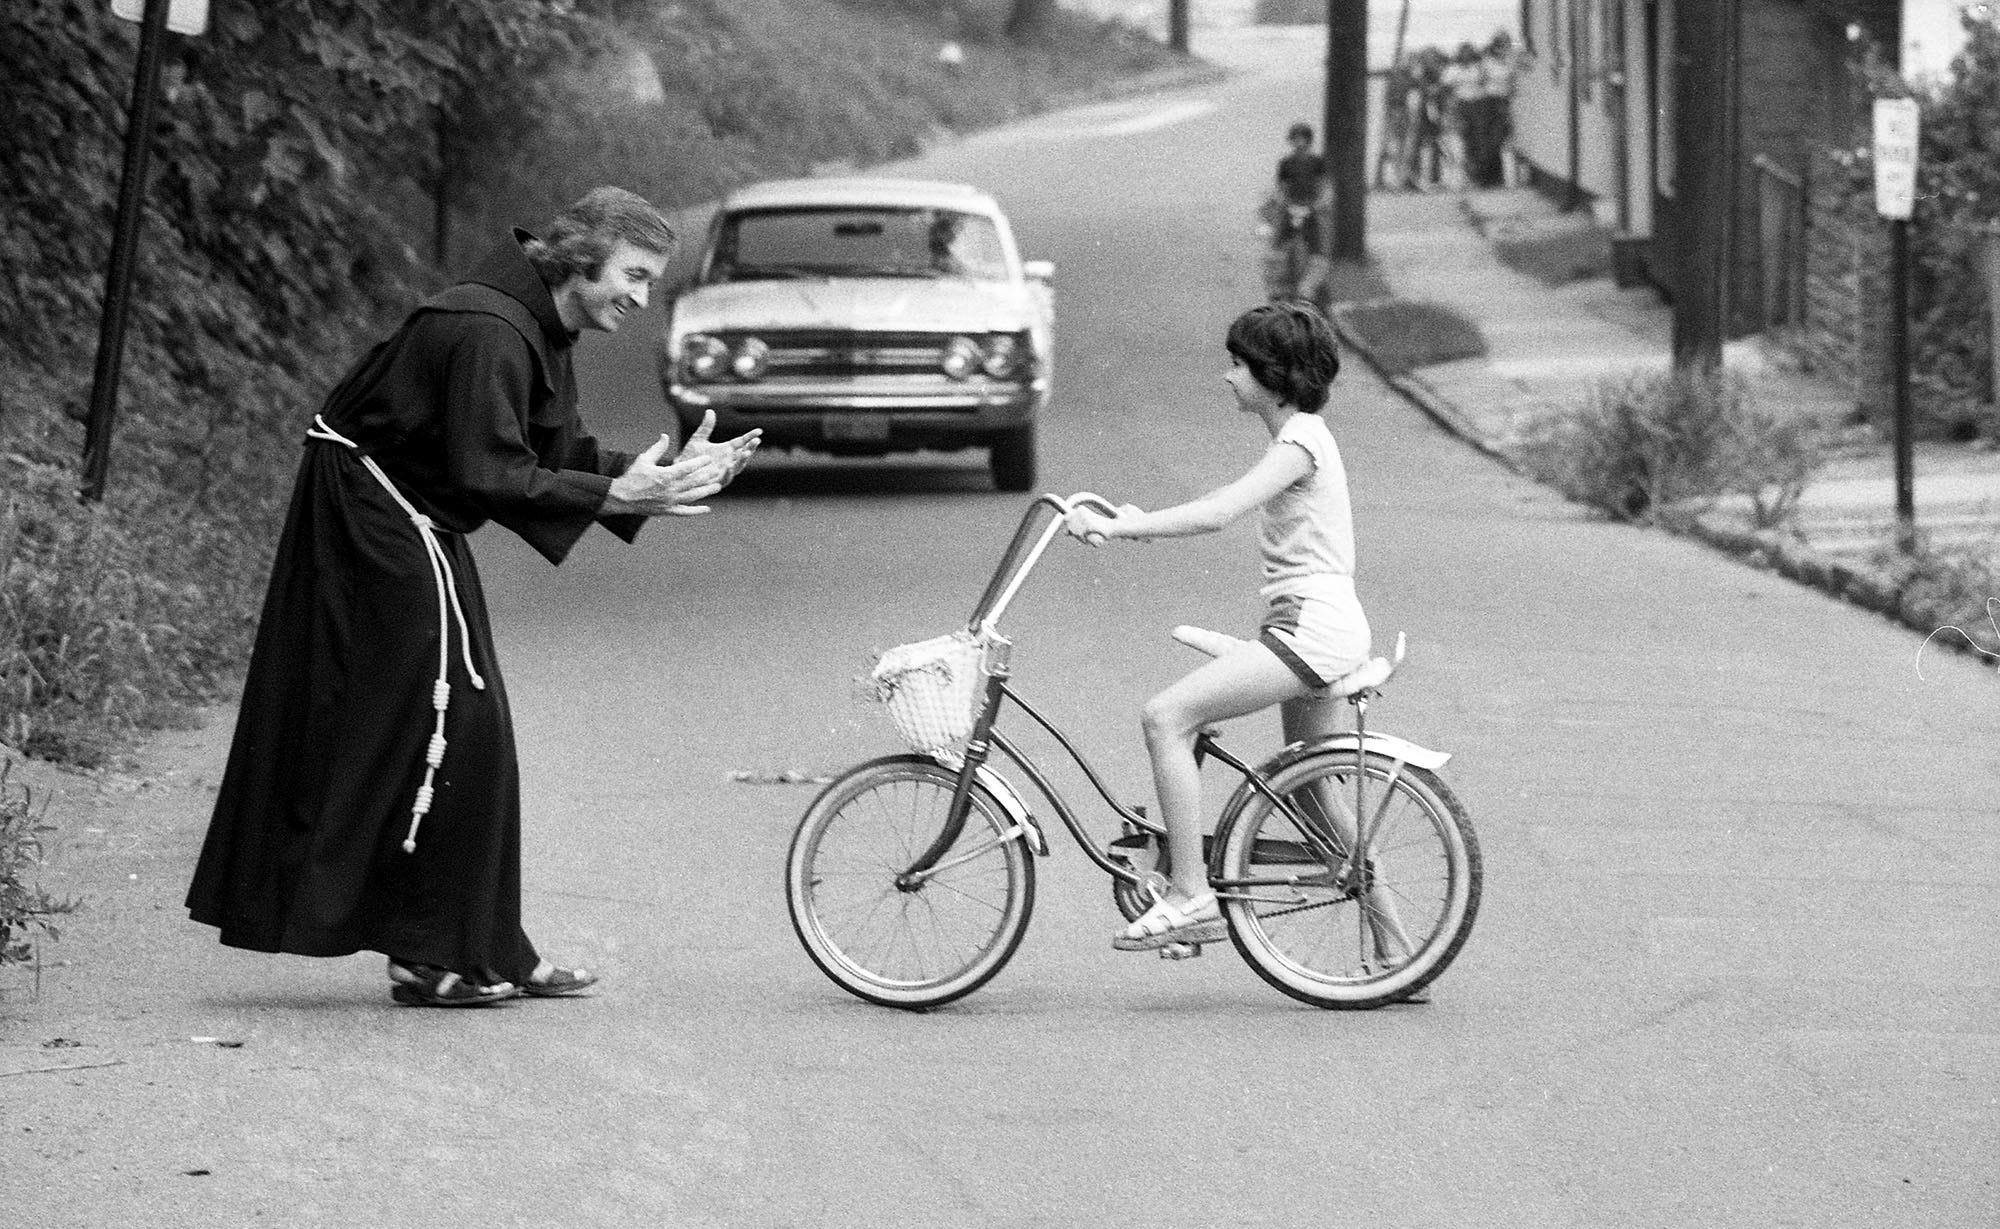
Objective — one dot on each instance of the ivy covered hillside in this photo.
(318, 165)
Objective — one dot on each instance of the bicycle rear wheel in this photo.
(1369, 938)
(914, 945)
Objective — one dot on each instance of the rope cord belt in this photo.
(448, 610)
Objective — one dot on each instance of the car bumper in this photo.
(862, 416)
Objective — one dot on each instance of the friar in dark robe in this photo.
(372, 796)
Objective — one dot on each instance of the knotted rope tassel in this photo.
(449, 610)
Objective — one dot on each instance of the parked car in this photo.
(865, 316)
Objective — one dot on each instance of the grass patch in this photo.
(1952, 595)
(1405, 334)
(25, 909)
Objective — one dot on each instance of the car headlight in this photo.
(1005, 356)
(752, 359)
(961, 358)
(704, 357)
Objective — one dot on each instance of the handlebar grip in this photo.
(1088, 499)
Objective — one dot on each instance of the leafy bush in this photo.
(24, 907)
(1957, 200)
(1674, 439)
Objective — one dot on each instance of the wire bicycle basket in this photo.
(931, 688)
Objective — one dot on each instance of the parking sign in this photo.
(183, 16)
(1895, 157)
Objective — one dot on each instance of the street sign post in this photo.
(183, 16)
(156, 18)
(1895, 156)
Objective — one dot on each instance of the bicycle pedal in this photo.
(1180, 951)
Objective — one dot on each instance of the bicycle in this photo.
(1292, 270)
(1349, 874)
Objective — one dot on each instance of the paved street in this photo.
(1734, 968)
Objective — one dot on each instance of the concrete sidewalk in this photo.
(1548, 346)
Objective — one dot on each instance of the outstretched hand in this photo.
(676, 489)
(734, 453)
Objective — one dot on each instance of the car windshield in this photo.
(884, 242)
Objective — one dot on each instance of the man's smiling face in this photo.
(621, 286)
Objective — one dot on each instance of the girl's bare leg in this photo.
(1245, 679)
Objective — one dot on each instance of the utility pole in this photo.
(1346, 125)
(1706, 150)
(1177, 25)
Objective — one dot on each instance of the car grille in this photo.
(830, 352)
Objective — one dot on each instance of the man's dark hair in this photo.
(581, 237)
(1300, 130)
(1289, 349)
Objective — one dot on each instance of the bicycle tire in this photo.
(912, 948)
(1322, 944)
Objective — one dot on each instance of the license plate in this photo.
(857, 426)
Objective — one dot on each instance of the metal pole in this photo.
(1993, 311)
(125, 241)
(1899, 377)
(1177, 25)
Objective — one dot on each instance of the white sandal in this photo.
(1198, 920)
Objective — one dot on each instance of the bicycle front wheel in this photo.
(1345, 933)
(906, 940)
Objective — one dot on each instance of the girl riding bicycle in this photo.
(1283, 358)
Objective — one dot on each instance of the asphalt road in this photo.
(1734, 968)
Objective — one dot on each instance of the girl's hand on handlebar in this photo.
(1095, 527)
(1092, 527)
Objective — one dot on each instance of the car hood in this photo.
(874, 304)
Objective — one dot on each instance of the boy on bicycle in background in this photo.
(1292, 212)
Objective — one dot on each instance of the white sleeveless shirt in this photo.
(1307, 529)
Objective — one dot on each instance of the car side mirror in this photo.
(1039, 270)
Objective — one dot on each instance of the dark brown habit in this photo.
(470, 409)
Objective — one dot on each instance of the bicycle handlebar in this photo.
(1025, 551)
(1084, 499)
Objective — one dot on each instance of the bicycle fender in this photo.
(1386, 745)
(1017, 810)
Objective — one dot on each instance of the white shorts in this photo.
(1319, 640)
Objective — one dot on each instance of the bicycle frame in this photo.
(1023, 552)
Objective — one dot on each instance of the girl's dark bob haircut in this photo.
(1290, 350)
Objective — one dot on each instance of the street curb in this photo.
(1418, 391)
(1867, 588)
